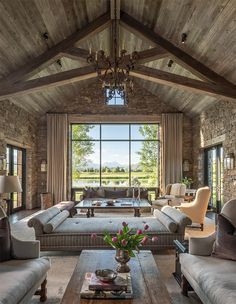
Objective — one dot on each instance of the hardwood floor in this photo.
(17, 216)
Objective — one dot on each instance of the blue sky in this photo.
(116, 151)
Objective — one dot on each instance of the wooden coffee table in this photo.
(127, 203)
(148, 287)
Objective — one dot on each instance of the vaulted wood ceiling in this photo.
(207, 59)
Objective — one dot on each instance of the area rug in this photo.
(63, 264)
(62, 268)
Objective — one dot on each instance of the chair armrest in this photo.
(25, 249)
(201, 245)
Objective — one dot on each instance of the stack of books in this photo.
(120, 288)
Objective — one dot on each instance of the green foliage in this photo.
(149, 150)
(187, 181)
(80, 149)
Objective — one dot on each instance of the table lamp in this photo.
(9, 184)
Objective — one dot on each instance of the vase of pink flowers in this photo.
(126, 241)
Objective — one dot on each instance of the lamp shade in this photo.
(9, 184)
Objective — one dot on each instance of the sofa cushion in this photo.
(143, 193)
(115, 193)
(93, 193)
(166, 220)
(178, 190)
(55, 221)
(39, 220)
(225, 243)
(215, 277)
(5, 240)
(17, 277)
(112, 225)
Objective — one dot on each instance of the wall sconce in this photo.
(186, 165)
(229, 161)
(43, 166)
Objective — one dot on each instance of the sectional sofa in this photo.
(56, 231)
(211, 277)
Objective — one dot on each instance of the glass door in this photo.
(16, 159)
(213, 173)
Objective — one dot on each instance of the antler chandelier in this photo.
(113, 71)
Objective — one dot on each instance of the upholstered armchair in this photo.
(174, 196)
(196, 210)
(24, 274)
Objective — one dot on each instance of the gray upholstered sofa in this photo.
(212, 278)
(21, 276)
(113, 192)
(56, 231)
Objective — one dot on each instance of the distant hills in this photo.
(110, 165)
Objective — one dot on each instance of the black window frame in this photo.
(74, 189)
(217, 207)
(11, 172)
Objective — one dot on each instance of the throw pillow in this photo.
(225, 243)
(5, 240)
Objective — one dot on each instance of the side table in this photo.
(179, 248)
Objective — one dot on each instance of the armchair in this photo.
(24, 273)
(174, 196)
(196, 210)
(211, 277)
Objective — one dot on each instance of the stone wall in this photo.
(216, 125)
(18, 128)
(89, 105)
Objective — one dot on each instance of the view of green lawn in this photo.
(115, 149)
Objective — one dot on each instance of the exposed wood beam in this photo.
(177, 81)
(187, 61)
(144, 56)
(55, 80)
(53, 53)
(152, 54)
(115, 28)
(76, 53)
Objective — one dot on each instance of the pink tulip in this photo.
(93, 236)
(124, 242)
(144, 240)
(154, 238)
(124, 224)
(120, 232)
(114, 239)
(139, 231)
(146, 227)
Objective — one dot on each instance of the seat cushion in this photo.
(215, 277)
(112, 225)
(17, 277)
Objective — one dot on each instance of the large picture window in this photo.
(113, 155)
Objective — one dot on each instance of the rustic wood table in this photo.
(148, 287)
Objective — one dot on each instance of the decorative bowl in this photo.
(110, 203)
(106, 275)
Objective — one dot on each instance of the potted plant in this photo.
(125, 241)
(187, 181)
